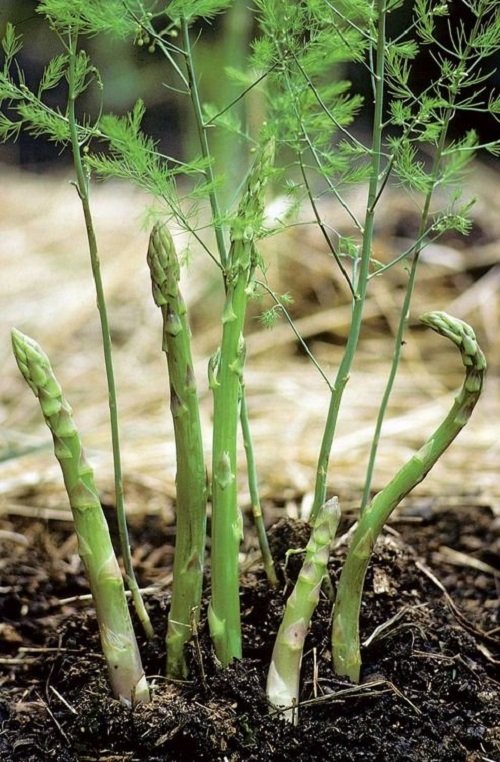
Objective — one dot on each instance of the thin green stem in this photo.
(295, 330)
(405, 308)
(322, 226)
(83, 192)
(205, 149)
(342, 376)
(345, 632)
(253, 487)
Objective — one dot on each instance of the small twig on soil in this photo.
(43, 650)
(16, 537)
(63, 700)
(315, 673)
(386, 625)
(399, 693)
(16, 660)
(56, 723)
(455, 610)
(487, 654)
(457, 558)
(86, 597)
(199, 654)
(353, 691)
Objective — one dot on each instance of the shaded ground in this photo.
(429, 692)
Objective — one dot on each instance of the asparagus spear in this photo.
(345, 634)
(191, 475)
(284, 672)
(106, 584)
(225, 375)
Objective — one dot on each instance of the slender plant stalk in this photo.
(94, 543)
(345, 634)
(205, 149)
(361, 283)
(412, 276)
(284, 672)
(83, 192)
(257, 514)
(225, 377)
(191, 482)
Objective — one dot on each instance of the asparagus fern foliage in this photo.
(294, 74)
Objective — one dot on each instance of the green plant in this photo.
(309, 111)
(94, 543)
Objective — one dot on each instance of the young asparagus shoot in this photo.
(191, 481)
(345, 634)
(118, 641)
(225, 375)
(284, 673)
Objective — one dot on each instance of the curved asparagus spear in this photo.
(225, 374)
(94, 543)
(191, 480)
(284, 672)
(345, 634)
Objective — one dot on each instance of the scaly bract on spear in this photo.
(191, 482)
(284, 672)
(94, 543)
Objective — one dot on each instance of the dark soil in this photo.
(428, 691)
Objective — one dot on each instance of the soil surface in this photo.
(429, 692)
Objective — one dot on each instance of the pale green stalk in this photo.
(360, 286)
(82, 185)
(225, 376)
(94, 543)
(253, 487)
(284, 672)
(345, 634)
(191, 483)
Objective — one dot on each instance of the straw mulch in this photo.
(46, 291)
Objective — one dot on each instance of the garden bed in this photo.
(428, 690)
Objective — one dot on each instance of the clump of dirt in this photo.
(428, 691)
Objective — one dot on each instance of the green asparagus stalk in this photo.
(345, 633)
(191, 480)
(225, 375)
(106, 583)
(284, 672)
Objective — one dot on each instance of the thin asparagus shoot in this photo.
(191, 483)
(257, 514)
(82, 185)
(284, 672)
(225, 371)
(118, 641)
(345, 633)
